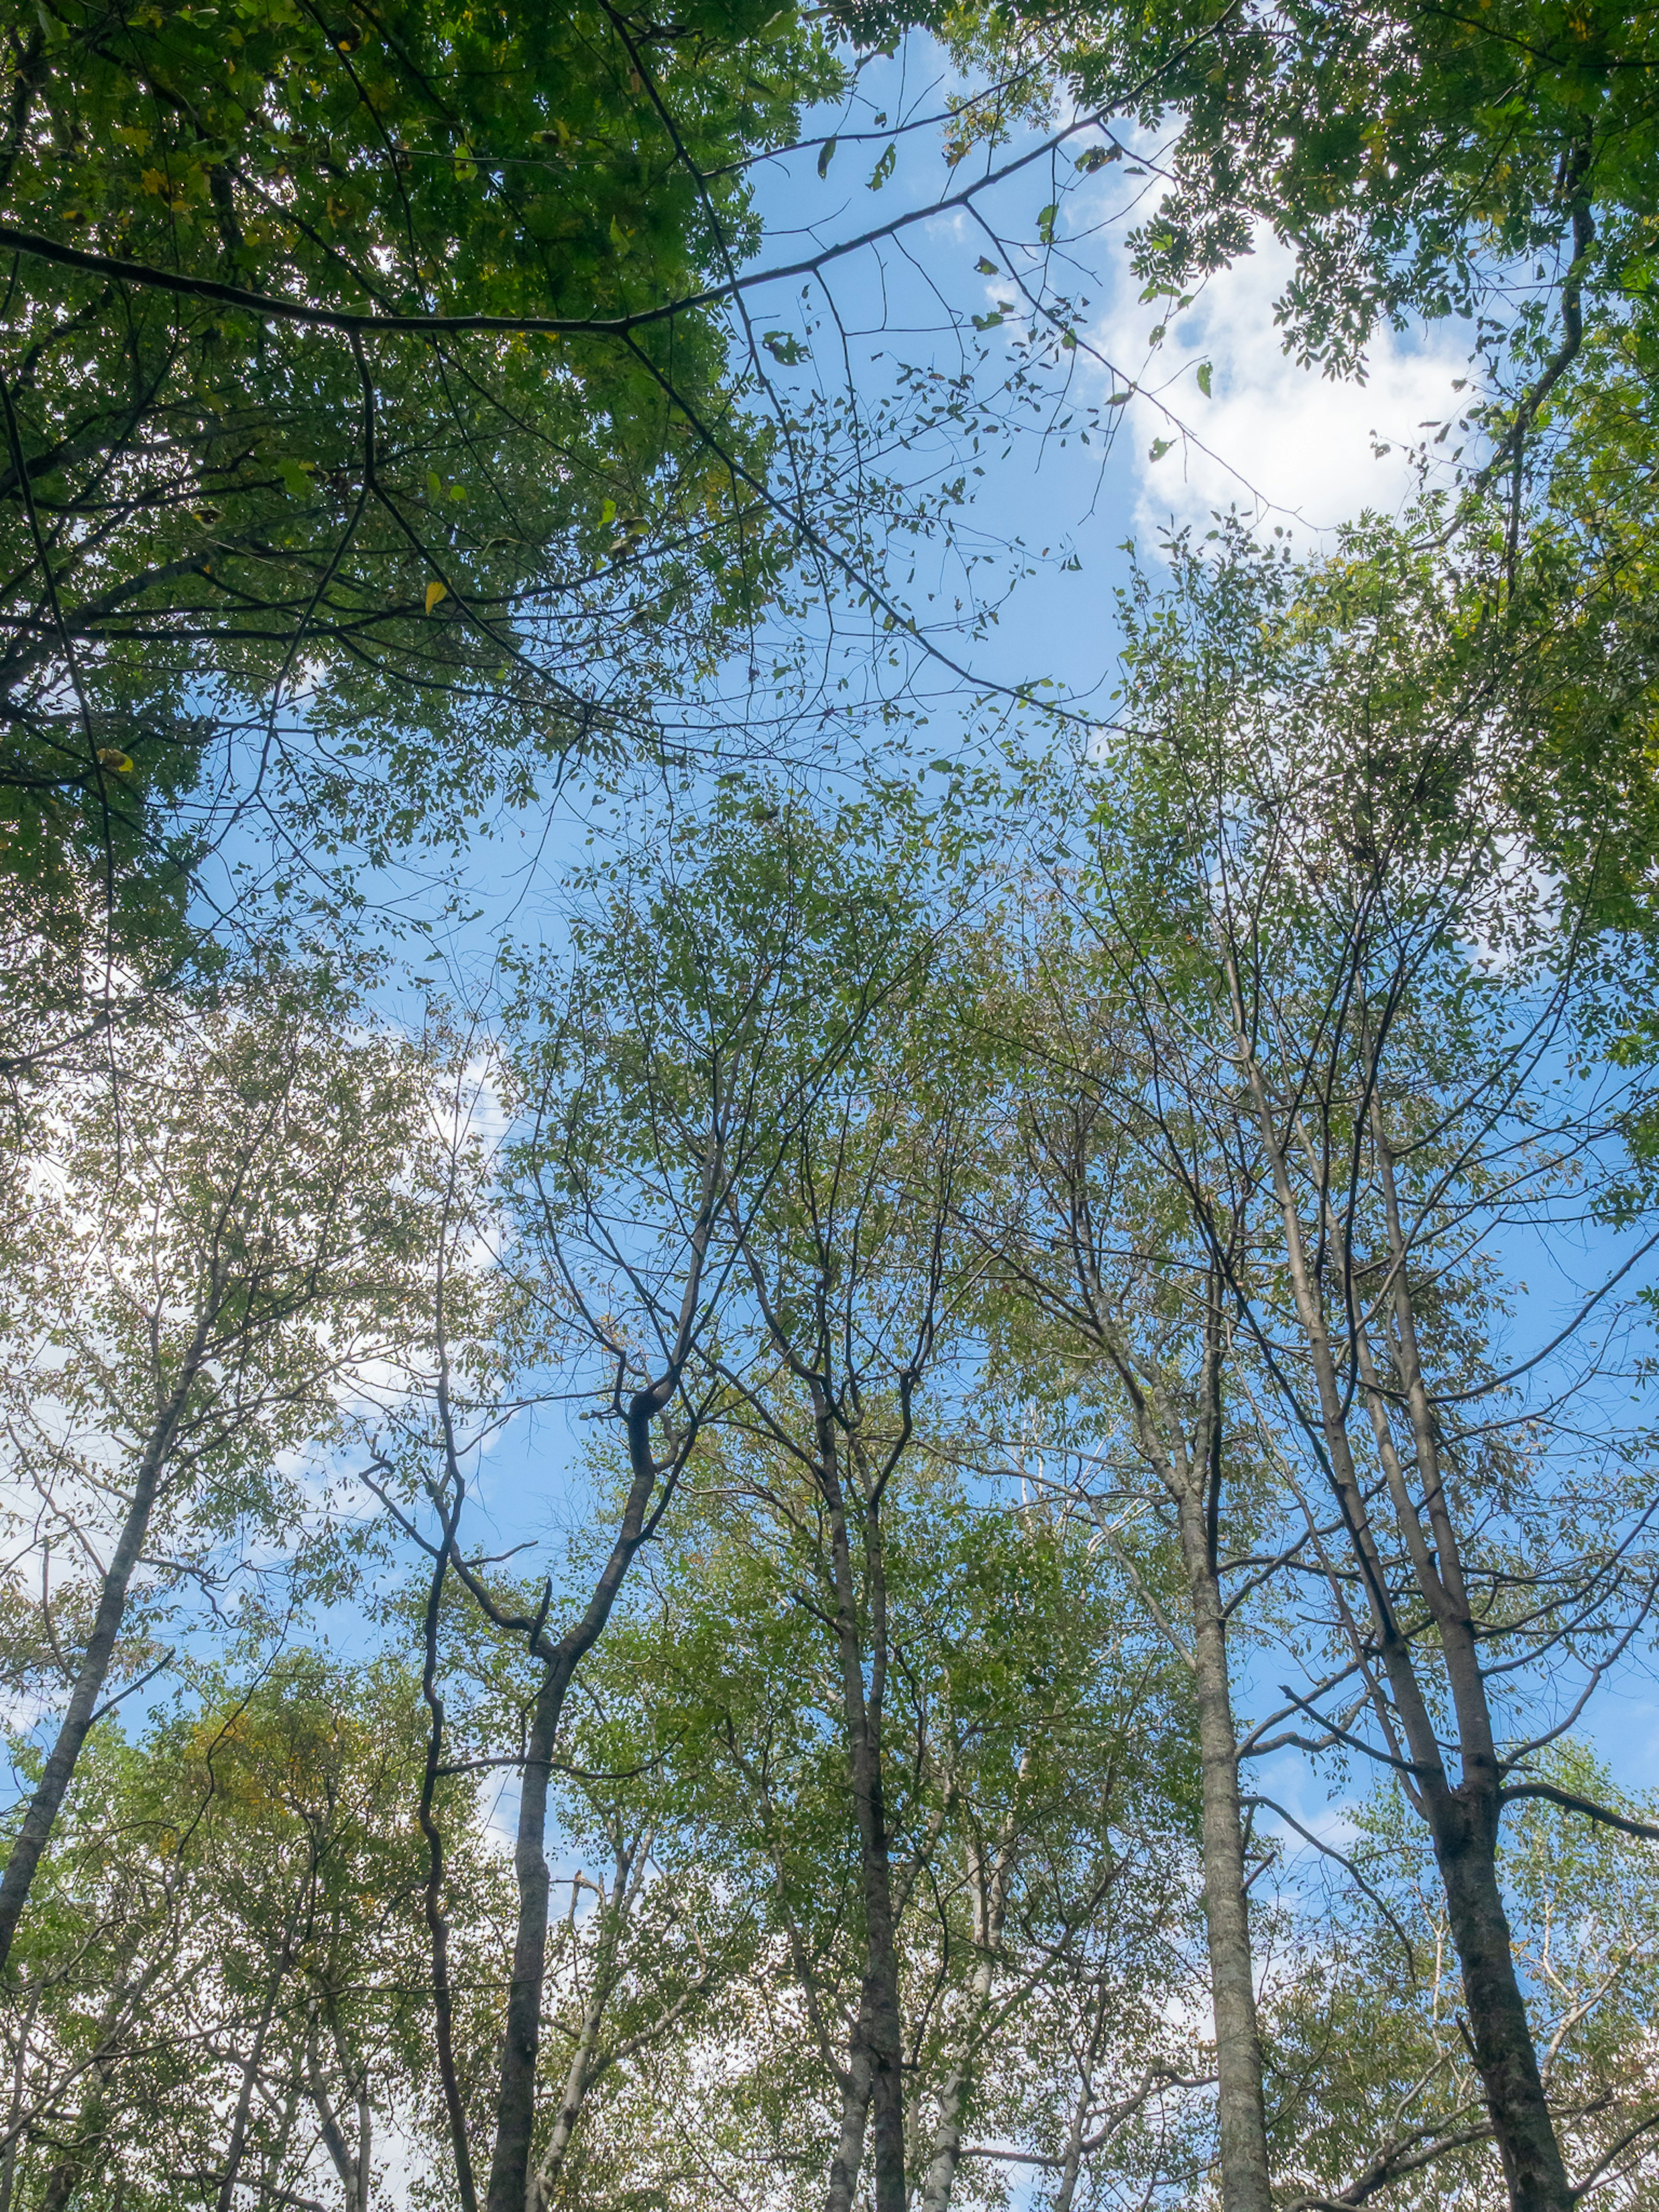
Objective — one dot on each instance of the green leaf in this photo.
(884, 168)
(1047, 219)
(1160, 447)
(1206, 370)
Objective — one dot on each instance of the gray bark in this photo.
(1241, 2113)
(854, 2121)
(1191, 1475)
(990, 1894)
(878, 2035)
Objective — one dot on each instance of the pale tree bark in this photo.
(849, 2159)
(351, 2158)
(988, 1888)
(1071, 2165)
(878, 2033)
(1191, 1475)
(1062, 1153)
(591, 2056)
(585, 2051)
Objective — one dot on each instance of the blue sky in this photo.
(1289, 446)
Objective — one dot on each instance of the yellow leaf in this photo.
(112, 757)
(434, 591)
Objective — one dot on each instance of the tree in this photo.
(213, 1252)
(661, 1087)
(223, 1979)
(1385, 2096)
(1110, 1322)
(231, 505)
(1366, 997)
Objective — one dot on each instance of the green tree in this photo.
(1349, 973)
(1035, 1792)
(269, 470)
(217, 1247)
(221, 1985)
(1378, 2091)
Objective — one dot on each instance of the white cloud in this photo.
(1283, 442)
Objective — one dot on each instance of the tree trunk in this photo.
(879, 2025)
(854, 2120)
(511, 2183)
(1465, 1846)
(1071, 2165)
(585, 2057)
(1245, 2186)
(1192, 1475)
(990, 1901)
(47, 1802)
(515, 2098)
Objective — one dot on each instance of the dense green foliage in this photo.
(406, 569)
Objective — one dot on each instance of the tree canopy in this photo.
(791, 1417)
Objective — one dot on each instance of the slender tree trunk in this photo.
(584, 2059)
(570, 2105)
(946, 2152)
(365, 2145)
(1241, 2113)
(1192, 1477)
(47, 1802)
(351, 2162)
(437, 1921)
(1464, 1823)
(879, 2029)
(844, 2167)
(990, 1888)
(1071, 2165)
(276, 2152)
(515, 2099)
(510, 2180)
